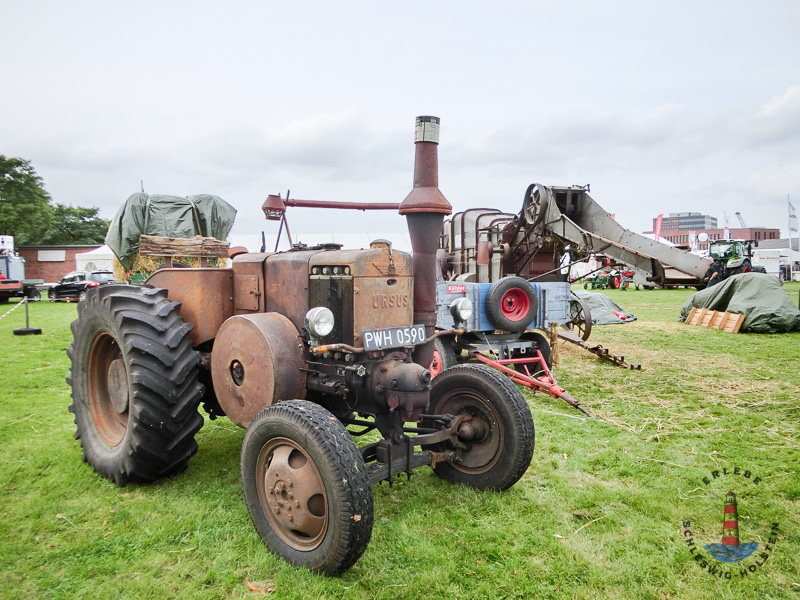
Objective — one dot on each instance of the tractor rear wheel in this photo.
(444, 356)
(306, 487)
(134, 384)
(499, 437)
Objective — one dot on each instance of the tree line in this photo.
(28, 213)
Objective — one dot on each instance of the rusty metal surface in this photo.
(248, 283)
(275, 204)
(107, 389)
(599, 351)
(341, 205)
(425, 208)
(286, 283)
(382, 287)
(403, 386)
(256, 360)
(206, 297)
(424, 231)
(237, 251)
(375, 262)
(425, 196)
(378, 304)
(292, 494)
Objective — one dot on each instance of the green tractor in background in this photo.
(733, 257)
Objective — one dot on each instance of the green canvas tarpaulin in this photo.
(767, 308)
(169, 216)
(603, 309)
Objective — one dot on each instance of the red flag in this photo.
(659, 218)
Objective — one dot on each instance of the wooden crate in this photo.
(730, 322)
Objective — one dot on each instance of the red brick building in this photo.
(682, 237)
(50, 263)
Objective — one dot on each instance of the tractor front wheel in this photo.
(306, 487)
(745, 267)
(134, 384)
(497, 438)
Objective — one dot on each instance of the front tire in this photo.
(134, 384)
(500, 436)
(306, 487)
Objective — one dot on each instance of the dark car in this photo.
(74, 285)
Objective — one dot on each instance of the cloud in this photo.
(777, 121)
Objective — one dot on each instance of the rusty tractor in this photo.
(296, 347)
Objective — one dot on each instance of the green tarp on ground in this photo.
(170, 216)
(604, 310)
(767, 308)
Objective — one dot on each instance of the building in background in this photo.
(687, 221)
(50, 263)
(683, 229)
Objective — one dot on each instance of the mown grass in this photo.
(598, 514)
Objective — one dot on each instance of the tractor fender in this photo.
(206, 297)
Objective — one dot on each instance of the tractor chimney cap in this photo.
(427, 129)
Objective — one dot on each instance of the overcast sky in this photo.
(667, 107)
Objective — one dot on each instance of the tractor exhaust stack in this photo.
(425, 208)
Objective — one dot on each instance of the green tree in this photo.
(75, 226)
(25, 209)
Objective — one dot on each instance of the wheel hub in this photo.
(474, 430)
(515, 304)
(107, 389)
(118, 386)
(480, 433)
(294, 496)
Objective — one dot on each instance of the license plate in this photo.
(393, 337)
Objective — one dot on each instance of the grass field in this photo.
(599, 514)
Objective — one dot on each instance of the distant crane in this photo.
(741, 220)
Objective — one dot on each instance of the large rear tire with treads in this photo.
(134, 384)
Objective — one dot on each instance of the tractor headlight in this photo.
(319, 321)
(461, 309)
